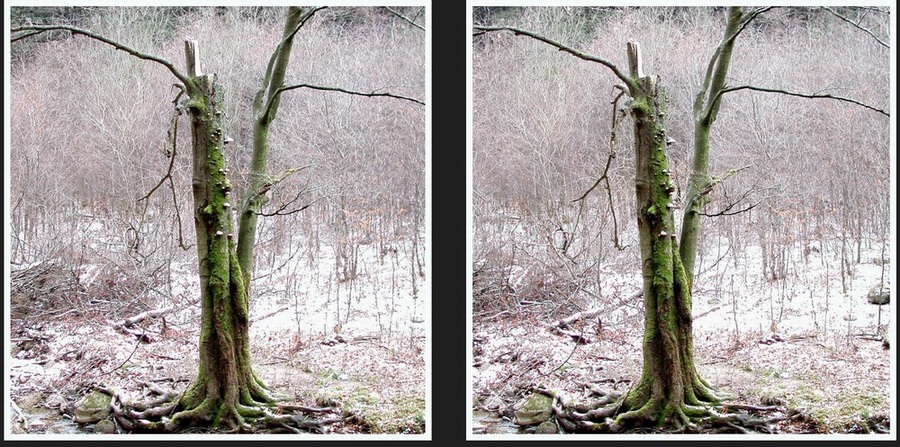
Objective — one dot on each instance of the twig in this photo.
(856, 25)
(263, 317)
(411, 22)
(706, 312)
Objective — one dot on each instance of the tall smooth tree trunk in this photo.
(704, 117)
(669, 383)
(263, 115)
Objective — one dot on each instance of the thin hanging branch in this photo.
(76, 31)
(800, 95)
(612, 151)
(171, 153)
(856, 25)
(632, 86)
(407, 19)
(605, 176)
(178, 217)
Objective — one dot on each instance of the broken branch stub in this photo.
(192, 58)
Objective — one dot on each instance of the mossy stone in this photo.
(534, 410)
(93, 408)
(547, 427)
(106, 427)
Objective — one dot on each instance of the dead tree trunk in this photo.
(669, 383)
(225, 385)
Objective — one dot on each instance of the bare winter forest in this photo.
(789, 291)
(105, 298)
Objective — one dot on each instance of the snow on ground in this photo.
(815, 367)
(373, 364)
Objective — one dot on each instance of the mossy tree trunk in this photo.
(225, 389)
(669, 386)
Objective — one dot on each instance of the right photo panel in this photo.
(682, 222)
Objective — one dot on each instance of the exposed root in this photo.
(608, 414)
(167, 412)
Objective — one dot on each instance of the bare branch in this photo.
(281, 210)
(800, 95)
(277, 65)
(411, 22)
(856, 25)
(351, 92)
(303, 21)
(24, 35)
(281, 90)
(171, 151)
(75, 31)
(579, 54)
(727, 210)
(882, 10)
(725, 46)
(266, 186)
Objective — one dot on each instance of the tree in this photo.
(226, 393)
(670, 391)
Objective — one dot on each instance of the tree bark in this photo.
(670, 386)
(225, 388)
(263, 115)
(704, 116)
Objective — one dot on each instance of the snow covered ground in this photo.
(358, 342)
(798, 340)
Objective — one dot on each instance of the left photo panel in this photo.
(216, 222)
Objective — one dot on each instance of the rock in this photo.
(37, 425)
(30, 402)
(533, 410)
(93, 408)
(493, 403)
(879, 294)
(57, 402)
(106, 427)
(547, 427)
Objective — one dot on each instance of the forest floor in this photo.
(797, 342)
(356, 344)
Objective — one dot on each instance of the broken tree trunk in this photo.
(670, 387)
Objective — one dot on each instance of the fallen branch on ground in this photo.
(270, 314)
(129, 322)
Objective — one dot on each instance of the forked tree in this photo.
(670, 392)
(226, 393)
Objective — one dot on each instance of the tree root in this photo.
(166, 412)
(608, 415)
